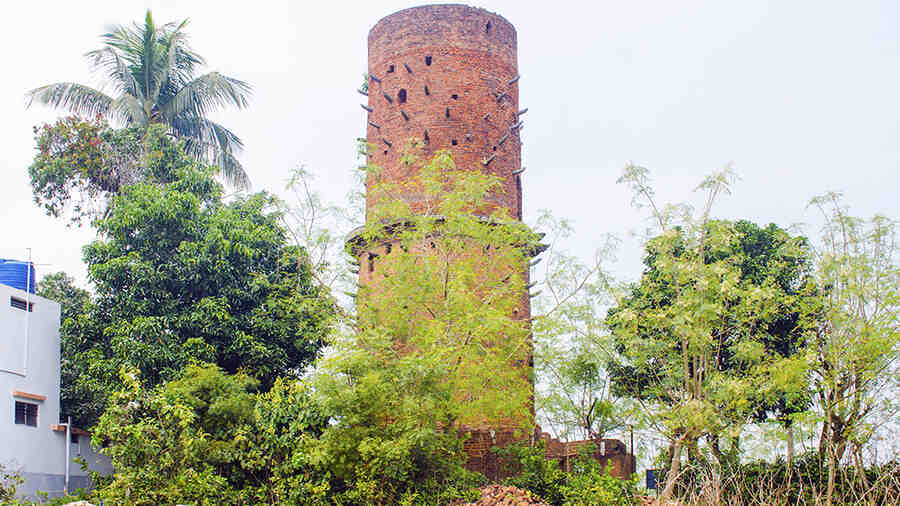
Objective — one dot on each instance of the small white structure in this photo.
(32, 439)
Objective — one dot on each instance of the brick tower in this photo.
(447, 75)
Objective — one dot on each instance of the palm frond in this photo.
(73, 97)
(206, 93)
(171, 41)
(130, 110)
(209, 141)
(110, 62)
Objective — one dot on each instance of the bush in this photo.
(588, 483)
(9, 483)
(592, 484)
(532, 471)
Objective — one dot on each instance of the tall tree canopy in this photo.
(152, 72)
(181, 276)
(712, 321)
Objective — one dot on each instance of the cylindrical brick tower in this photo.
(447, 76)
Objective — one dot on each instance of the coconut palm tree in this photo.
(152, 73)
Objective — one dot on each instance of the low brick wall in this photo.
(479, 442)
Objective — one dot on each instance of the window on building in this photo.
(454, 142)
(372, 257)
(427, 60)
(21, 304)
(401, 96)
(487, 27)
(390, 68)
(454, 96)
(26, 413)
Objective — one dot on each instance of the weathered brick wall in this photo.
(446, 74)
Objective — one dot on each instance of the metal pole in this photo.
(68, 449)
(28, 271)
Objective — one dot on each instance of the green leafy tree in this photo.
(853, 338)
(181, 276)
(694, 334)
(153, 72)
(572, 345)
(80, 165)
(390, 440)
(208, 438)
(444, 279)
(74, 301)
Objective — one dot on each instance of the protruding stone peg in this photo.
(405, 116)
(486, 115)
(503, 139)
(523, 111)
(361, 92)
(489, 160)
(375, 125)
(387, 97)
(364, 106)
(516, 126)
(500, 97)
(407, 68)
(372, 77)
(386, 142)
(518, 171)
(513, 80)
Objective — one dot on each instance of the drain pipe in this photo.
(68, 449)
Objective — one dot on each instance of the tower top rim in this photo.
(434, 10)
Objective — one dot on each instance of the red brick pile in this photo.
(499, 495)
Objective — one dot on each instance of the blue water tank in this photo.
(17, 274)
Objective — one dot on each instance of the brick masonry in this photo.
(446, 75)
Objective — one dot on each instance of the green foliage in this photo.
(712, 324)
(853, 343)
(572, 345)
(153, 72)
(9, 483)
(391, 435)
(532, 471)
(75, 401)
(450, 285)
(588, 483)
(181, 276)
(80, 165)
(208, 438)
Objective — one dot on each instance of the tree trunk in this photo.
(713, 442)
(832, 470)
(672, 473)
(790, 446)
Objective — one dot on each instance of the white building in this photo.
(32, 439)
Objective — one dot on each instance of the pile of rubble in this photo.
(499, 495)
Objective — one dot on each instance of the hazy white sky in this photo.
(802, 96)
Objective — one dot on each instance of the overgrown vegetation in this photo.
(199, 358)
(588, 482)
